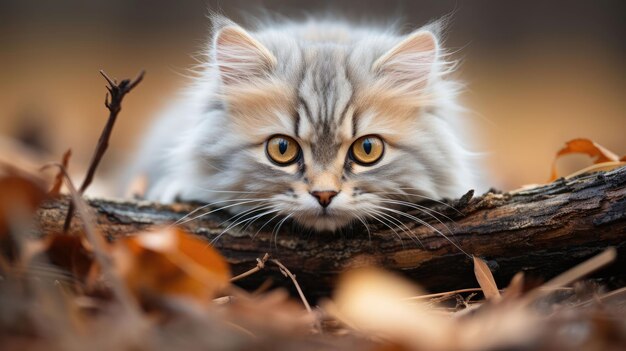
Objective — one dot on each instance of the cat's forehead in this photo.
(324, 92)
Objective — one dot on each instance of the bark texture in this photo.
(542, 231)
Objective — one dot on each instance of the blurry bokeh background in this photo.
(538, 72)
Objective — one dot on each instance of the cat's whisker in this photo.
(241, 218)
(421, 221)
(197, 209)
(264, 224)
(232, 191)
(242, 221)
(237, 216)
(417, 207)
(427, 198)
(212, 165)
(219, 209)
(274, 210)
(423, 209)
(405, 229)
(372, 214)
(279, 224)
(360, 219)
(426, 211)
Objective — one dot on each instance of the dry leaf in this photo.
(72, 253)
(58, 180)
(604, 167)
(375, 302)
(170, 262)
(19, 198)
(515, 288)
(583, 146)
(485, 279)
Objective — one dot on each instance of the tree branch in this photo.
(542, 231)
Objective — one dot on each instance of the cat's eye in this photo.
(283, 150)
(367, 150)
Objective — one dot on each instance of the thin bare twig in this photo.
(445, 293)
(288, 274)
(603, 297)
(259, 265)
(113, 103)
(571, 275)
(97, 242)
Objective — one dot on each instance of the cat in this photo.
(321, 121)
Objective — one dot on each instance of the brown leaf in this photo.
(376, 303)
(58, 180)
(19, 198)
(170, 262)
(485, 279)
(515, 288)
(72, 253)
(583, 146)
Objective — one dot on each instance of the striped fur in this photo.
(325, 84)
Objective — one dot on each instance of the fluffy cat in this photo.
(321, 121)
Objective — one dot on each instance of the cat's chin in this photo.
(325, 222)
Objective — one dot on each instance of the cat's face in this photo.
(333, 133)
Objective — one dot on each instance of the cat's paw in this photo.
(166, 191)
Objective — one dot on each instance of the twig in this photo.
(596, 262)
(259, 265)
(445, 293)
(601, 298)
(114, 104)
(98, 244)
(288, 274)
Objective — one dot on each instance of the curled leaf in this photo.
(170, 262)
(583, 146)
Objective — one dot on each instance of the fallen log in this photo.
(542, 231)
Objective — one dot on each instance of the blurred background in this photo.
(538, 72)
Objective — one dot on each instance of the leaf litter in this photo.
(166, 289)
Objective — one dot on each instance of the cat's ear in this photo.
(410, 64)
(238, 56)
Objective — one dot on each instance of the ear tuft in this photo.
(411, 63)
(239, 57)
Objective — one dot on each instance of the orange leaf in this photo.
(485, 279)
(170, 262)
(58, 180)
(19, 198)
(583, 146)
(515, 288)
(72, 253)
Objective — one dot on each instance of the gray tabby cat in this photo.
(320, 121)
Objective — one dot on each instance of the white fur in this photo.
(195, 152)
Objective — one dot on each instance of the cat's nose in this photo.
(324, 197)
